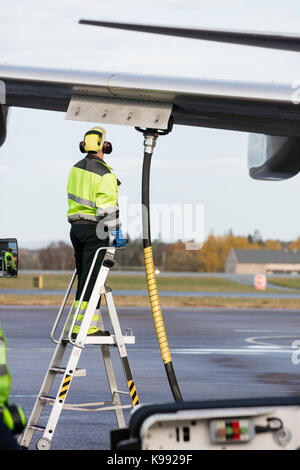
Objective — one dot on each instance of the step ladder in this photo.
(117, 340)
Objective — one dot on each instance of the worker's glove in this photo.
(119, 240)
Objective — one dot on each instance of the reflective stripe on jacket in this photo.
(93, 192)
(9, 257)
(4, 372)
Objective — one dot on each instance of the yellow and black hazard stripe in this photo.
(130, 382)
(64, 389)
(133, 393)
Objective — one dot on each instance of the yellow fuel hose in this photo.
(155, 306)
(151, 281)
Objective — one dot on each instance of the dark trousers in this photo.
(7, 439)
(11, 271)
(86, 243)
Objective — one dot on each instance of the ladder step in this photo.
(62, 370)
(49, 399)
(121, 392)
(110, 340)
(37, 428)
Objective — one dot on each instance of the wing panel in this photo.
(244, 106)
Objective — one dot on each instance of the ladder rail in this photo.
(121, 347)
(62, 307)
(70, 370)
(66, 296)
(58, 353)
(85, 318)
(111, 378)
(44, 390)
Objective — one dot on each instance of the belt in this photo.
(81, 221)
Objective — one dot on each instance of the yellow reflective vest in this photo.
(4, 372)
(93, 192)
(9, 257)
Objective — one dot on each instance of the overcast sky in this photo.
(191, 165)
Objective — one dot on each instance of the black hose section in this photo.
(173, 382)
(147, 244)
(146, 200)
(3, 124)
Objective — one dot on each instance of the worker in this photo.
(12, 418)
(93, 214)
(9, 262)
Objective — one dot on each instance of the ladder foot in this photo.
(43, 444)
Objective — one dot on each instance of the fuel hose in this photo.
(149, 143)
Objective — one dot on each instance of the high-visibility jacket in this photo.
(12, 416)
(4, 372)
(9, 257)
(93, 192)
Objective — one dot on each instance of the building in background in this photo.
(263, 262)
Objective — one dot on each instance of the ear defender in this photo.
(94, 141)
(81, 147)
(107, 147)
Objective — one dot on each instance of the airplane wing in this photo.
(149, 100)
(283, 41)
(270, 111)
(255, 107)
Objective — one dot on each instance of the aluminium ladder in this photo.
(116, 339)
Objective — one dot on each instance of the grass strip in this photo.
(143, 301)
(292, 283)
(125, 282)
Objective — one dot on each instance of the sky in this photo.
(199, 167)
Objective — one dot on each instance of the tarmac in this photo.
(216, 353)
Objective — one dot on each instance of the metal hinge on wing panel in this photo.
(119, 111)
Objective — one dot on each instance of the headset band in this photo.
(94, 133)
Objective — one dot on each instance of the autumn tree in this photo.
(181, 260)
(213, 255)
(272, 245)
(294, 245)
(29, 259)
(58, 256)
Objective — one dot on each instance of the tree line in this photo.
(167, 256)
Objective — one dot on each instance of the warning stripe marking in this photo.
(133, 393)
(130, 385)
(136, 401)
(65, 386)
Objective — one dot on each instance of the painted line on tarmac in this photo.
(263, 340)
(29, 348)
(262, 331)
(250, 350)
(245, 351)
(22, 396)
